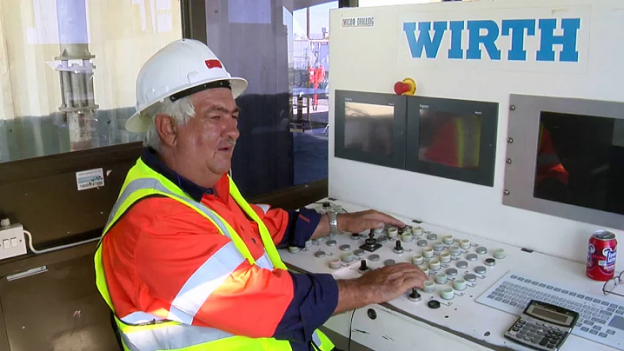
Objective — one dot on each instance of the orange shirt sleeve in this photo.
(275, 219)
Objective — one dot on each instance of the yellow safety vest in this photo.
(169, 335)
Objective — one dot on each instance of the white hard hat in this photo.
(181, 68)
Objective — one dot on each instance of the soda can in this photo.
(601, 255)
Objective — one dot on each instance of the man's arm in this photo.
(288, 228)
(294, 228)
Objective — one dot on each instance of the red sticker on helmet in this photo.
(213, 64)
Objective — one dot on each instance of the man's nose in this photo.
(231, 130)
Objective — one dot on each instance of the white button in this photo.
(5, 243)
(14, 242)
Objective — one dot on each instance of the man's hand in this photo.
(360, 221)
(357, 222)
(377, 286)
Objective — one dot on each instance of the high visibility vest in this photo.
(141, 182)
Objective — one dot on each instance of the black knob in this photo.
(326, 204)
(355, 236)
(398, 245)
(371, 234)
(363, 266)
(415, 294)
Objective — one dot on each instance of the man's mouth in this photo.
(226, 146)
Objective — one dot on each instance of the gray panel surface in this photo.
(523, 132)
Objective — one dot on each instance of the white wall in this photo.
(374, 58)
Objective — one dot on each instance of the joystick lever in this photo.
(370, 244)
(398, 249)
(414, 295)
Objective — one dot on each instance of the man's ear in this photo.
(167, 129)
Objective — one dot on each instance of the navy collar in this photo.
(195, 191)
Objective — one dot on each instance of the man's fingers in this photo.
(375, 224)
(384, 218)
(413, 281)
(409, 280)
(409, 270)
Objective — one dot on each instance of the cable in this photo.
(38, 252)
(350, 330)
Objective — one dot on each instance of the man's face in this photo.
(208, 138)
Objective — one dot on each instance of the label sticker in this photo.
(93, 178)
(358, 21)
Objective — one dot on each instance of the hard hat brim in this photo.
(139, 122)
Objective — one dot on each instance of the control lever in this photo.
(414, 296)
(370, 244)
(363, 267)
(398, 248)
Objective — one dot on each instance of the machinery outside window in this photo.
(69, 72)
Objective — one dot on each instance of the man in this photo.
(185, 262)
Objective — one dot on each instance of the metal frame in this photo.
(398, 131)
(523, 132)
(488, 111)
(348, 3)
(193, 18)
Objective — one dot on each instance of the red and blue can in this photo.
(601, 255)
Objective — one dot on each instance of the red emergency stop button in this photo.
(405, 87)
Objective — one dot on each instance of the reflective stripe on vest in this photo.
(176, 333)
(173, 337)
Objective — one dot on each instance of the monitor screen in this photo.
(369, 127)
(450, 139)
(580, 161)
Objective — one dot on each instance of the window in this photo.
(68, 71)
(283, 51)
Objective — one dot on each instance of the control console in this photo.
(453, 264)
(461, 268)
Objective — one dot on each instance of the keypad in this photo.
(601, 318)
(537, 333)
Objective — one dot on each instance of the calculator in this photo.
(542, 326)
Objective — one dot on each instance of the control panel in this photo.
(453, 264)
(461, 268)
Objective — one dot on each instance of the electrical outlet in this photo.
(12, 241)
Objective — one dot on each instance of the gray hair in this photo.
(181, 111)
